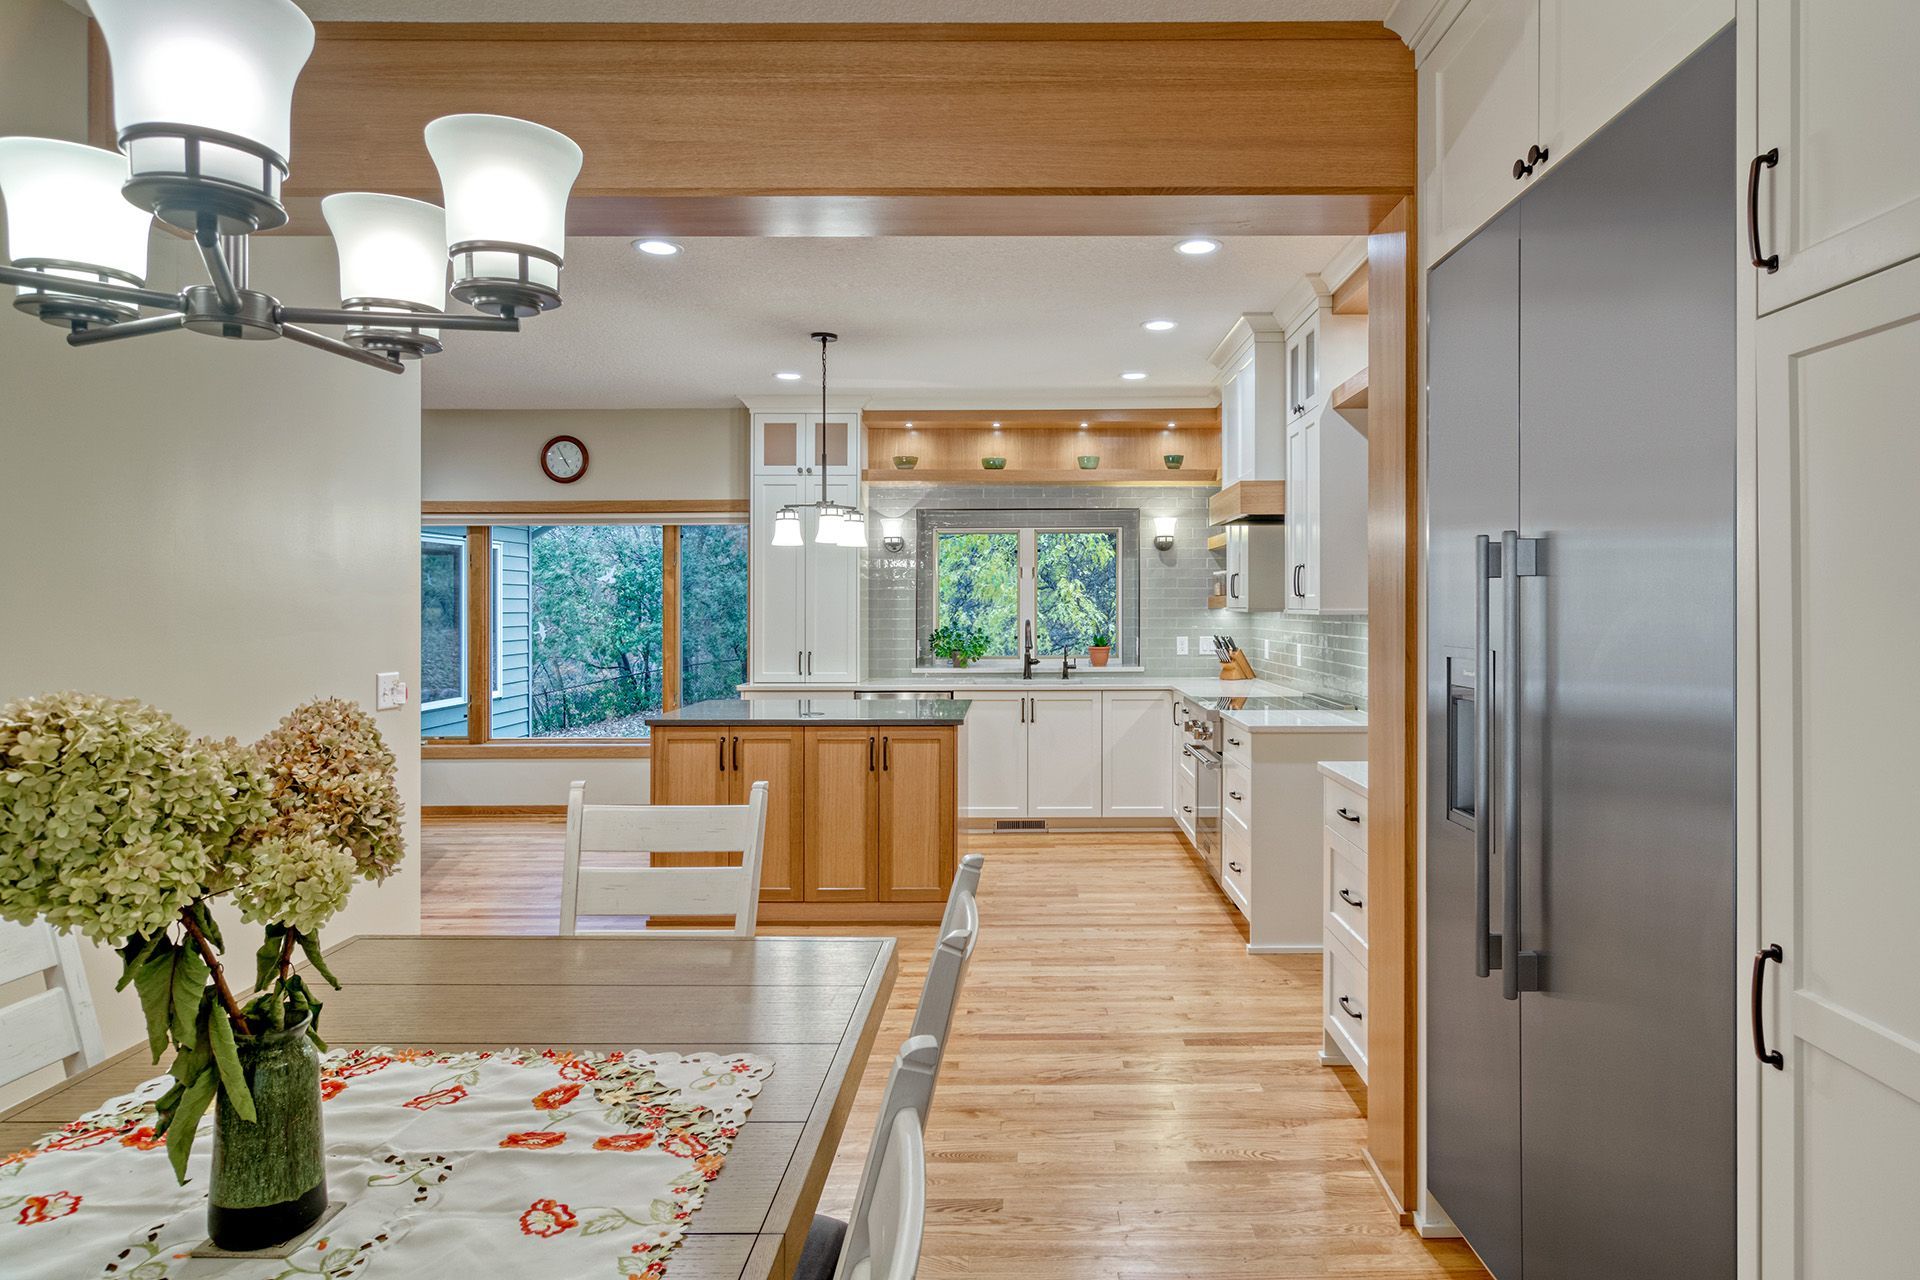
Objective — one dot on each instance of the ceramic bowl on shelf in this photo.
(1173, 460)
(1088, 461)
(905, 461)
(994, 464)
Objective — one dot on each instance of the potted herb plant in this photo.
(958, 643)
(119, 826)
(1100, 649)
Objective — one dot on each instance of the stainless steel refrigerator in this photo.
(1580, 820)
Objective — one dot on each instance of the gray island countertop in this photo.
(823, 711)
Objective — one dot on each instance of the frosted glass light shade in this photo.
(393, 256)
(65, 217)
(203, 100)
(853, 529)
(786, 528)
(826, 529)
(505, 184)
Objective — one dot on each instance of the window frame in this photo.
(482, 630)
(1023, 588)
(441, 704)
(1028, 604)
(1120, 654)
(497, 588)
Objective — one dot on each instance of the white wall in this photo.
(523, 783)
(633, 454)
(221, 529)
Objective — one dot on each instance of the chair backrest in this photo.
(890, 1211)
(675, 891)
(966, 882)
(55, 1025)
(947, 971)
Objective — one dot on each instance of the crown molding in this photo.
(800, 402)
(1253, 326)
(1421, 23)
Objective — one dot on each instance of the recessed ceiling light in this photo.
(1133, 375)
(1197, 247)
(1159, 326)
(787, 375)
(658, 248)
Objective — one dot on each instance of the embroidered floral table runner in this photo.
(512, 1163)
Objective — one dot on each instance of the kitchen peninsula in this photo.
(864, 797)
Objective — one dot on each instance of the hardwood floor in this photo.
(1129, 1095)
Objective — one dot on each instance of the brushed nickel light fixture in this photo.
(203, 99)
(834, 525)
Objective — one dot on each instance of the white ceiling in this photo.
(846, 10)
(987, 321)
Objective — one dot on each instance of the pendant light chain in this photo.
(834, 525)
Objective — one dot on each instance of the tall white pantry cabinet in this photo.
(804, 602)
(1824, 227)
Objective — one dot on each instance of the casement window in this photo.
(584, 629)
(1065, 585)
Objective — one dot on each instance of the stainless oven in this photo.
(1206, 804)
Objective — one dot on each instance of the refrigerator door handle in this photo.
(1486, 942)
(1519, 558)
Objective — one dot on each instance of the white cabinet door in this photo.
(1303, 488)
(781, 445)
(1326, 530)
(1236, 438)
(778, 576)
(1303, 368)
(1596, 58)
(832, 629)
(1479, 112)
(1839, 600)
(1237, 568)
(1839, 98)
(997, 755)
(1137, 743)
(1186, 790)
(839, 435)
(1063, 754)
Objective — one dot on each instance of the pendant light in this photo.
(834, 525)
(67, 222)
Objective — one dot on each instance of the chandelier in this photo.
(834, 525)
(203, 101)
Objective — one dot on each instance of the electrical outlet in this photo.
(389, 691)
(1180, 646)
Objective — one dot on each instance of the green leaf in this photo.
(204, 918)
(186, 1122)
(311, 946)
(267, 958)
(188, 1063)
(190, 974)
(165, 1106)
(154, 981)
(226, 1056)
(132, 956)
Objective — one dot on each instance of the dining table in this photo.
(812, 1005)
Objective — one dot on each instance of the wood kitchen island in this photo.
(864, 798)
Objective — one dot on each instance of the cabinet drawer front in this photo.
(1236, 856)
(1346, 890)
(1236, 745)
(1346, 812)
(1345, 986)
(1236, 793)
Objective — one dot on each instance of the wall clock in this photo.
(564, 459)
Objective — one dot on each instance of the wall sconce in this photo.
(893, 536)
(1163, 532)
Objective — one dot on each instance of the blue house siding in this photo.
(512, 710)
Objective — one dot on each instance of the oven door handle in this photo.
(1204, 756)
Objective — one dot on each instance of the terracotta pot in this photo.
(1098, 654)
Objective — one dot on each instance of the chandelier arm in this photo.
(207, 239)
(42, 281)
(398, 319)
(127, 329)
(321, 342)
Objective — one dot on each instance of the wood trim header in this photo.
(861, 32)
(591, 507)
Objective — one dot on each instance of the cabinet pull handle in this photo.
(1348, 1010)
(723, 753)
(1233, 585)
(1347, 897)
(1234, 867)
(1535, 157)
(869, 753)
(736, 755)
(1186, 808)
(809, 662)
(886, 756)
(1233, 742)
(1023, 711)
(1296, 581)
(1772, 1057)
(1033, 710)
(799, 662)
(1350, 817)
(1771, 262)
(1236, 795)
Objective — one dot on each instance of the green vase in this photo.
(270, 1174)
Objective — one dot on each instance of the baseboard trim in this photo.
(1437, 1226)
(493, 811)
(1283, 949)
(1386, 1188)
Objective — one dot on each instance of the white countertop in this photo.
(1184, 686)
(1352, 773)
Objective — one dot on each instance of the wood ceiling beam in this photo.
(1226, 128)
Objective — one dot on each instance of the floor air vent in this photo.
(1020, 824)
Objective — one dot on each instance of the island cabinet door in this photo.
(917, 816)
(843, 792)
(689, 766)
(777, 757)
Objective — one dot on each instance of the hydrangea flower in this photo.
(297, 879)
(329, 770)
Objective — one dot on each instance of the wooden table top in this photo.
(811, 1004)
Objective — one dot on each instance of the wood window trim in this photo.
(481, 631)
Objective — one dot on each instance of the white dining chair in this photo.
(947, 967)
(881, 1240)
(670, 891)
(57, 1025)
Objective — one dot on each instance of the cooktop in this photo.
(1296, 702)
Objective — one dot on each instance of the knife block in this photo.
(1237, 667)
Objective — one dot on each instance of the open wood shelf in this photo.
(980, 475)
(1351, 394)
(1145, 418)
(1217, 542)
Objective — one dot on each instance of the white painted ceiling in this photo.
(847, 10)
(986, 321)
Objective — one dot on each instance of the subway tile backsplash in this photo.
(1327, 654)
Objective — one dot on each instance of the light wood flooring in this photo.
(1129, 1095)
